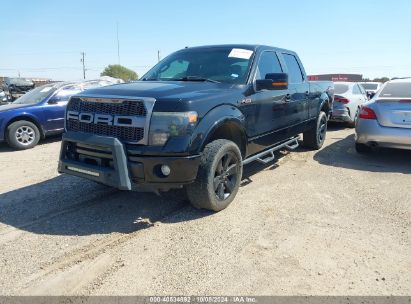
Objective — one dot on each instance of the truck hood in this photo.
(13, 106)
(165, 90)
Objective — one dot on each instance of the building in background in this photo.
(337, 77)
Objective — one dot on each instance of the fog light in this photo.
(165, 170)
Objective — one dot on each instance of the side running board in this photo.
(268, 155)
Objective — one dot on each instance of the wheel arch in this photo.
(27, 118)
(223, 122)
(229, 129)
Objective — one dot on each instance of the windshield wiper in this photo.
(195, 78)
(150, 79)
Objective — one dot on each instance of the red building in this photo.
(336, 77)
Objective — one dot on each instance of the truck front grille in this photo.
(126, 108)
(126, 134)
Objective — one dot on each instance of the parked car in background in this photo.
(39, 113)
(3, 98)
(348, 98)
(371, 88)
(16, 87)
(385, 121)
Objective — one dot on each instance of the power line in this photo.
(118, 46)
(84, 64)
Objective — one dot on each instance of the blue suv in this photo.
(39, 113)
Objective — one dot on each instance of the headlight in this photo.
(164, 125)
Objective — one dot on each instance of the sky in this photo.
(45, 38)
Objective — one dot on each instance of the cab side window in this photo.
(268, 64)
(295, 75)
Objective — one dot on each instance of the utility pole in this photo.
(118, 46)
(158, 55)
(84, 64)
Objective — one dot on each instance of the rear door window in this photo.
(295, 75)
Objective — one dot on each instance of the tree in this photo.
(382, 79)
(119, 71)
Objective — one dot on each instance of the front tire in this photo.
(218, 178)
(315, 137)
(22, 135)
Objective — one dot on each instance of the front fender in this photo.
(212, 121)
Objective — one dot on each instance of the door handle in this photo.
(287, 98)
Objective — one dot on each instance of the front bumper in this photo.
(106, 160)
(370, 132)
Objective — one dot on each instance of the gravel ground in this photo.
(328, 222)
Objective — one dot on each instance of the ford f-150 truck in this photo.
(194, 120)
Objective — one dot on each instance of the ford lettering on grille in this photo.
(111, 120)
(120, 118)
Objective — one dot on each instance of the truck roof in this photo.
(254, 47)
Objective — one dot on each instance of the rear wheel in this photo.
(315, 137)
(362, 148)
(218, 178)
(22, 135)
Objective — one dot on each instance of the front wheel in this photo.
(23, 135)
(218, 178)
(315, 137)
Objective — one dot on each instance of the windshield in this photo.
(340, 88)
(36, 95)
(397, 90)
(226, 65)
(370, 86)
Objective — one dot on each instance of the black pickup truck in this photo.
(194, 120)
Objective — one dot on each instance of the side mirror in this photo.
(273, 81)
(52, 101)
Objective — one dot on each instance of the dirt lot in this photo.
(327, 222)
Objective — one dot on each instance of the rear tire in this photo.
(315, 137)
(362, 148)
(22, 135)
(218, 178)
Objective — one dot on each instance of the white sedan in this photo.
(385, 121)
(348, 99)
